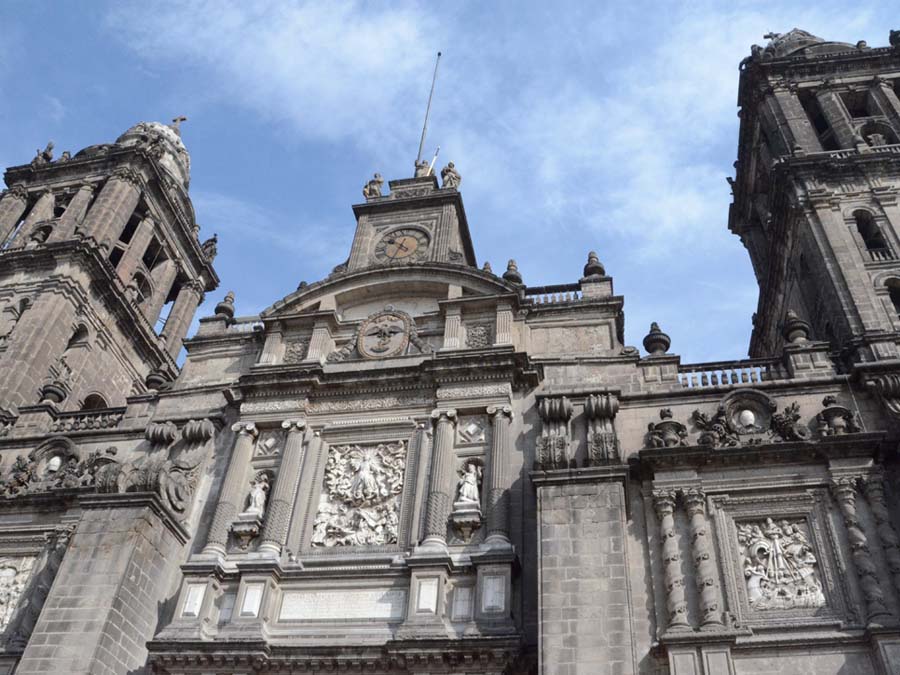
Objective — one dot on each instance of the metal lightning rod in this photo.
(428, 108)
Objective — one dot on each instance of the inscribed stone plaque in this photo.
(252, 600)
(462, 603)
(427, 600)
(193, 600)
(343, 605)
(493, 597)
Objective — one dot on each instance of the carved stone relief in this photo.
(479, 335)
(382, 335)
(360, 502)
(295, 350)
(780, 566)
(471, 429)
(14, 575)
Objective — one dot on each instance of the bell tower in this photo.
(101, 271)
(816, 188)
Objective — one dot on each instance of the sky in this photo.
(581, 126)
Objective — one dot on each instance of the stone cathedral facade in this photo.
(418, 466)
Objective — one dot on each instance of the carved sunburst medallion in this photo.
(384, 334)
(407, 244)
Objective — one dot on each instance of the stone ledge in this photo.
(612, 473)
(149, 500)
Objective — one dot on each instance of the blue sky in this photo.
(575, 126)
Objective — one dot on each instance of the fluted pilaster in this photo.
(278, 516)
(233, 487)
(164, 276)
(440, 492)
(498, 494)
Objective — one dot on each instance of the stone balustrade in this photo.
(730, 373)
(558, 294)
(107, 418)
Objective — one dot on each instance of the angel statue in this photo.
(467, 486)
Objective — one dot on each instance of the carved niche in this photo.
(360, 501)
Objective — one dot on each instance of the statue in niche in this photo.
(372, 189)
(259, 491)
(467, 486)
(14, 576)
(450, 176)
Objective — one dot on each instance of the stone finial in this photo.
(512, 274)
(225, 309)
(302, 285)
(487, 267)
(656, 342)
(594, 268)
(795, 330)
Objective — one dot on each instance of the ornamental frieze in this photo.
(360, 502)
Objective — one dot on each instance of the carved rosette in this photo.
(553, 444)
(664, 504)
(603, 444)
(383, 335)
(844, 490)
(360, 505)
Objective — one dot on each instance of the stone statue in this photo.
(372, 189)
(467, 486)
(66, 156)
(44, 156)
(450, 176)
(210, 248)
(259, 490)
(422, 169)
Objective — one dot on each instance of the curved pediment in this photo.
(414, 289)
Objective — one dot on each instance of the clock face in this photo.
(403, 245)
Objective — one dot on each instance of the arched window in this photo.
(893, 286)
(871, 235)
(79, 337)
(94, 402)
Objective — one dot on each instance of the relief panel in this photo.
(360, 500)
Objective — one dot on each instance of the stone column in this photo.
(73, 214)
(42, 210)
(793, 119)
(278, 516)
(882, 93)
(136, 248)
(873, 487)
(164, 276)
(836, 114)
(113, 207)
(12, 206)
(664, 503)
(498, 494)
(844, 490)
(189, 298)
(439, 495)
(233, 488)
(701, 548)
